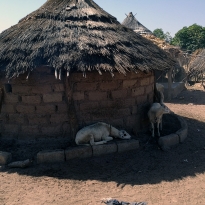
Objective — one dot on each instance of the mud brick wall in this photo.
(43, 107)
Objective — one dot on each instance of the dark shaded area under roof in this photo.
(76, 35)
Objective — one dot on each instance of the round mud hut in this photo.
(70, 64)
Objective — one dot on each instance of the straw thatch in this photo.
(197, 64)
(132, 23)
(76, 35)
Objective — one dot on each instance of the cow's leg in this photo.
(161, 124)
(158, 122)
(108, 138)
(92, 142)
(152, 124)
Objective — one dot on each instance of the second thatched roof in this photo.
(132, 23)
(76, 35)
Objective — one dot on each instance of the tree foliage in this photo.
(190, 38)
(159, 33)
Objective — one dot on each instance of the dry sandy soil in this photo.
(176, 176)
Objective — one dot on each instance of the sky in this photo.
(169, 15)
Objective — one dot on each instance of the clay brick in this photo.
(54, 97)
(149, 89)
(25, 109)
(62, 108)
(7, 108)
(131, 121)
(30, 129)
(151, 79)
(21, 89)
(104, 149)
(50, 156)
(38, 119)
(41, 89)
(168, 141)
(119, 94)
(5, 158)
(89, 105)
(78, 96)
(81, 86)
(58, 118)
(16, 118)
(45, 109)
(141, 99)
(134, 110)
(127, 145)
(138, 91)
(52, 131)
(11, 128)
(58, 87)
(78, 152)
(31, 99)
(129, 102)
(145, 81)
(109, 85)
(97, 95)
(122, 112)
(129, 83)
(11, 98)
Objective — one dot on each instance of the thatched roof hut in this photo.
(68, 38)
(132, 23)
(75, 36)
(197, 63)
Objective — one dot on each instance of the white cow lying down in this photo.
(99, 133)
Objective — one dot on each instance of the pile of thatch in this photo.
(76, 35)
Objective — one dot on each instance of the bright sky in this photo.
(170, 15)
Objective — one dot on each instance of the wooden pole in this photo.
(170, 83)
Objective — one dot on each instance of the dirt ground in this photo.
(176, 176)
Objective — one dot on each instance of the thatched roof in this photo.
(132, 23)
(76, 35)
(197, 64)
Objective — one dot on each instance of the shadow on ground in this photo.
(190, 96)
(149, 165)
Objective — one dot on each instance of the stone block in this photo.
(45, 109)
(17, 89)
(11, 98)
(31, 99)
(168, 141)
(53, 97)
(6, 108)
(97, 95)
(127, 145)
(30, 129)
(59, 118)
(89, 105)
(62, 108)
(58, 87)
(182, 134)
(119, 94)
(145, 81)
(78, 152)
(41, 89)
(51, 156)
(129, 83)
(26, 109)
(138, 91)
(16, 118)
(78, 96)
(84, 86)
(104, 149)
(109, 85)
(149, 89)
(5, 157)
(52, 131)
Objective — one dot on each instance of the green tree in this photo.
(159, 33)
(190, 38)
